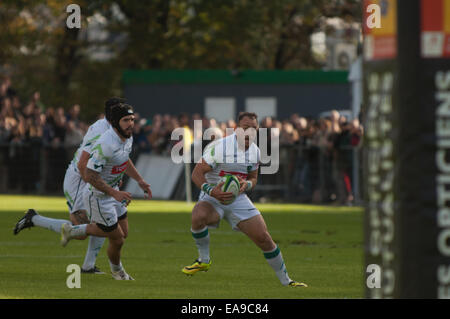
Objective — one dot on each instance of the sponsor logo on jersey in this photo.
(119, 168)
(243, 175)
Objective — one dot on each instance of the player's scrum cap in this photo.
(109, 104)
(118, 111)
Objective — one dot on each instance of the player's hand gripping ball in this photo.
(231, 184)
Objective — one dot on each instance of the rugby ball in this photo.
(231, 184)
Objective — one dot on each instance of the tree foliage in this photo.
(43, 54)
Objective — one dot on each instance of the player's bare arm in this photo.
(132, 172)
(82, 163)
(198, 177)
(93, 178)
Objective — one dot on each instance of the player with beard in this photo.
(73, 187)
(108, 162)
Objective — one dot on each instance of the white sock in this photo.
(275, 260)
(201, 238)
(95, 244)
(49, 223)
(78, 230)
(115, 268)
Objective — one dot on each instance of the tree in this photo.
(45, 55)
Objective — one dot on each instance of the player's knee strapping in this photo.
(107, 229)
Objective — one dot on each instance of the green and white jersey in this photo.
(109, 157)
(92, 135)
(225, 157)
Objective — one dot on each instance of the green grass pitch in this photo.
(322, 246)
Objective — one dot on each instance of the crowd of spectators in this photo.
(316, 154)
(33, 120)
(26, 129)
(323, 150)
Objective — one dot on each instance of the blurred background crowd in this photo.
(38, 142)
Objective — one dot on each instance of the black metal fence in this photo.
(311, 174)
(32, 167)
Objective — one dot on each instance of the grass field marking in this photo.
(41, 256)
(21, 203)
(10, 297)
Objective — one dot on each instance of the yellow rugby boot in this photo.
(196, 266)
(294, 283)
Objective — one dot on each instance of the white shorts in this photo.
(241, 209)
(103, 210)
(73, 188)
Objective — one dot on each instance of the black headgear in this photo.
(117, 112)
(109, 104)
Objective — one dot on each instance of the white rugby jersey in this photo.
(109, 157)
(225, 157)
(89, 139)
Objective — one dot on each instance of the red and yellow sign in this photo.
(435, 28)
(380, 29)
